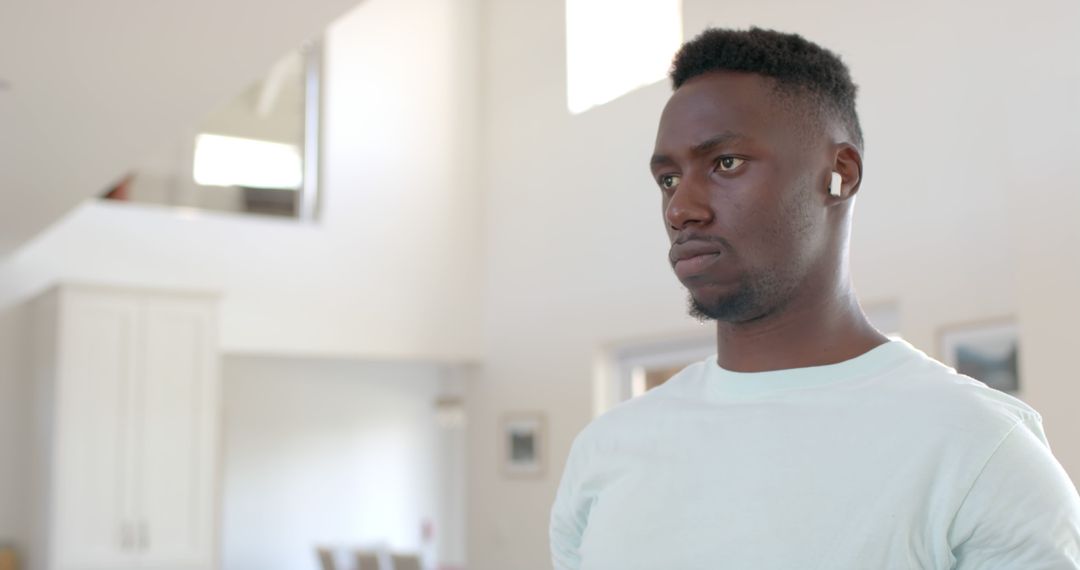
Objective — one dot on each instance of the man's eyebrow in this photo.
(700, 148)
(715, 141)
(660, 160)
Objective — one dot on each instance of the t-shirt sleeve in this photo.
(1022, 510)
(569, 514)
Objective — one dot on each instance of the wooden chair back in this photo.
(366, 560)
(406, 561)
(326, 559)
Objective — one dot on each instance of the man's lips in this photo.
(688, 267)
(696, 248)
(694, 257)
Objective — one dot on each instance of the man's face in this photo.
(743, 177)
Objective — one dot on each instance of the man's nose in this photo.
(689, 205)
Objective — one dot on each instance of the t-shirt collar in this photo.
(875, 361)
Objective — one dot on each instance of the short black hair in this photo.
(798, 66)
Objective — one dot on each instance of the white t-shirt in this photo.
(889, 460)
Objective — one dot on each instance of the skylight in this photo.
(614, 47)
(247, 163)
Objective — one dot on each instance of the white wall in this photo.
(1044, 176)
(392, 270)
(94, 86)
(400, 211)
(576, 249)
(15, 394)
(333, 453)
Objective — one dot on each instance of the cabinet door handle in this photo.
(127, 536)
(144, 535)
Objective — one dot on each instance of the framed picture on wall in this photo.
(986, 351)
(524, 440)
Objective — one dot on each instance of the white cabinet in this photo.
(127, 430)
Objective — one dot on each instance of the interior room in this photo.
(334, 285)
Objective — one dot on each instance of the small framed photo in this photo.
(987, 351)
(524, 441)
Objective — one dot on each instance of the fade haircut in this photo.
(798, 66)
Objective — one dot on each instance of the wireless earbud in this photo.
(836, 186)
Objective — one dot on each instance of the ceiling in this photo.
(89, 89)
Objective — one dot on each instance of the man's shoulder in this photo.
(939, 394)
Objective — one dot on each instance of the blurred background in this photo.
(333, 284)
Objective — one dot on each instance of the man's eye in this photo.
(669, 181)
(727, 163)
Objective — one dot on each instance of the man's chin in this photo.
(735, 307)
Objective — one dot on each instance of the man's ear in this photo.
(848, 164)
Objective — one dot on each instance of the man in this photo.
(810, 441)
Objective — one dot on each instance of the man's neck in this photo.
(826, 331)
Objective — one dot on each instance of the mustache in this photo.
(704, 238)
